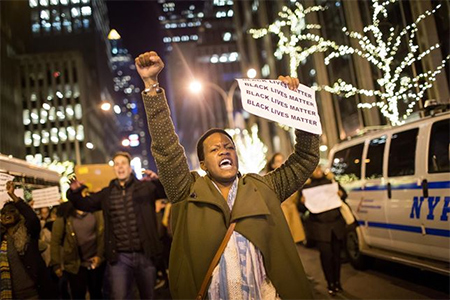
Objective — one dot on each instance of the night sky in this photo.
(137, 23)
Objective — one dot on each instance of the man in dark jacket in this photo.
(131, 237)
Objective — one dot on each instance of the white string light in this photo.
(394, 84)
(289, 44)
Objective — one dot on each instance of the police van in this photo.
(398, 181)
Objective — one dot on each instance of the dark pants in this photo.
(87, 280)
(330, 258)
(129, 268)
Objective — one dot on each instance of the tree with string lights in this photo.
(288, 44)
(382, 51)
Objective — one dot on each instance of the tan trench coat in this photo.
(200, 215)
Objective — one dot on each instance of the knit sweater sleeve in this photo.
(299, 166)
(170, 158)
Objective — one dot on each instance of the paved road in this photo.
(385, 280)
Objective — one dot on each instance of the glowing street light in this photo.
(106, 106)
(126, 142)
(251, 73)
(227, 97)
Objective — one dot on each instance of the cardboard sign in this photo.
(322, 198)
(271, 99)
(4, 178)
(96, 176)
(46, 197)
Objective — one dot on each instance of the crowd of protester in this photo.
(117, 243)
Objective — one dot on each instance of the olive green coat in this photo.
(68, 255)
(200, 215)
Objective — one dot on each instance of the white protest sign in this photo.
(322, 198)
(46, 197)
(271, 99)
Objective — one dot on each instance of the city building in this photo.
(129, 106)
(62, 77)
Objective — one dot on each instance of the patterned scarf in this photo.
(240, 273)
(5, 273)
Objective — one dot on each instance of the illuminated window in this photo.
(54, 135)
(167, 39)
(35, 28)
(26, 117)
(75, 1)
(44, 115)
(33, 3)
(214, 59)
(60, 113)
(43, 2)
(80, 132)
(34, 116)
(45, 136)
(234, 56)
(54, 2)
(85, 1)
(230, 13)
(78, 111)
(36, 139)
(223, 58)
(77, 24)
(69, 112)
(86, 11)
(75, 11)
(45, 14)
(86, 23)
(176, 39)
(194, 37)
(27, 138)
(71, 133)
(62, 134)
(221, 14)
(185, 38)
(64, 2)
(227, 36)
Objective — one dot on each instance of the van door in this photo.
(346, 166)
(373, 204)
(402, 187)
(435, 211)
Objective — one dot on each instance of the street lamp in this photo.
(227, 97)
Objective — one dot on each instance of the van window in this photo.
(347, 164)
(374, 159)
(438, 155)
(402, 153)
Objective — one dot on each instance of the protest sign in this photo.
(271, 99)
(4, 178)
(322, 198)
(46, 197)
(95, 176)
